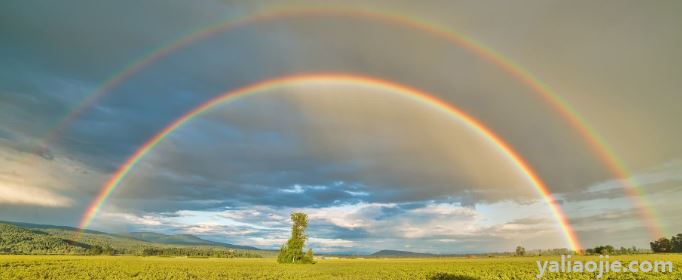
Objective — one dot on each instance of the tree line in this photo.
(662, 245)
(611, 250)
(21, 241)
(665, 245)
(197, 252)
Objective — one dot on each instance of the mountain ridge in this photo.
(181, 239)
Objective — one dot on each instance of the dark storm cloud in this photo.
(606, 218)
(205, 195)
(258, 162)
(32, 100)
(105, 135)
(90, 40)
(25, 213)
(6, 135)
(55, 62)
(297, 40)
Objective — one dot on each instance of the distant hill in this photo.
(19, 240)
(182, 239)
(400, 254)
(42, 227)
(26, 238)
(153, 237)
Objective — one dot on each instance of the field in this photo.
(122, 267)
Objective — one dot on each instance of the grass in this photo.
(128, 267)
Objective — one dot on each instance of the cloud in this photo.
(323, 153)
(665, 178)
(361, 227)
(606, 218)
(6, 135)
(121, 122)
(145, 220)
(55, 182)
(404, 165)
(330, 243)
(12, 193)
(301, 189)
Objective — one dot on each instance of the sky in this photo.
(373, 169)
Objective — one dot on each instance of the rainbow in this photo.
(616, 166)
(316, 79)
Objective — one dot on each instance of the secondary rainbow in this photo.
(264, 86)
(597, 143)
(616, 166)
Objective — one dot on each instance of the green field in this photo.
(124, 267)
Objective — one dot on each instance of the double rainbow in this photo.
(606, 155)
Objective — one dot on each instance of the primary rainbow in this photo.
(323, 78)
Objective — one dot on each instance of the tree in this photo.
(520, 251)
(95, 250)
(283, 256)
(107, 250)
(676, 243)
(662, 245)
(292, 251)
(308, 258)
(604, 250)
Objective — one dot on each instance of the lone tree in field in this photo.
(292, 251)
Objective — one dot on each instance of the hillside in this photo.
(181, 239)
(18, 240)
(48, 227)
(24, 238)
(400, 254)
(126, 239)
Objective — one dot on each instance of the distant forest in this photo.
(46, 240)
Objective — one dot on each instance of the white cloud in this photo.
(269, 242)
(11, 193)
(31, 179)
(430, 226)
(146, 220)
(301, 188)
(357, 193)
(327, 242)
